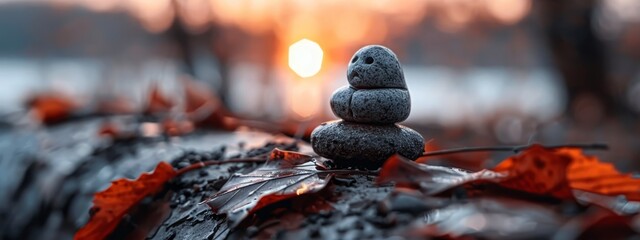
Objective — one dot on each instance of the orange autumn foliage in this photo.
(205, 108)
(556, 172)
(157, 102)
(110, 205)
(51, 107)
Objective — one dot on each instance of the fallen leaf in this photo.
(487, 218)
(597, 224)
(285, 175)
(177, 127)
(51, 107)
(537, 170)
(115, 131)
(109, 129)
(587, 173)
(557, 172)
(431, 179)
(204, 107)
(618, 204)
(110, 205)
(157, 102)
(115, 105)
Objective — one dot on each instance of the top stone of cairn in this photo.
(375, 66)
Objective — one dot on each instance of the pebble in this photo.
(376, 106)
(375, 66)
(364, 145)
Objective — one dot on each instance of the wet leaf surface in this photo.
(431, 179)
(489, 218)
(537, 170)
(557, 172)
(110, 205)
(285, 175)
(351, 207)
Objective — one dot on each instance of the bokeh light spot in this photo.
(305, 58)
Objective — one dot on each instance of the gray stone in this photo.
(375, 66)
(341, 102)
(364, 145)
(376, 106)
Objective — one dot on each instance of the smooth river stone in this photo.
(376, 106)
(375, 66)
(363, 145)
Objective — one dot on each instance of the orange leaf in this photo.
(587, 173)
(110, 205)
(204, 107)
(536, 170)
(557, 171)
(157, 102)
(176, 127)
(552, 172)
(116, 105)
(51, 107)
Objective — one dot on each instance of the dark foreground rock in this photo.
(364, 145)
(49, 181)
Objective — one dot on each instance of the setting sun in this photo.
(305, 58)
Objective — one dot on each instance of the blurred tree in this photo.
(579, 56)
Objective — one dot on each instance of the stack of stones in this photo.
(370, 106)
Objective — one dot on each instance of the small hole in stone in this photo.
(354, 59)
(368, 60)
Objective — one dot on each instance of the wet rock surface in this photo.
(354, 207)
(374, 101)
(49, 175)
(365, 145)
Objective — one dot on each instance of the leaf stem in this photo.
(515, 149)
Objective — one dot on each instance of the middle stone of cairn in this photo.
(370, 106)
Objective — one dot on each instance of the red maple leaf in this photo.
(110, 205)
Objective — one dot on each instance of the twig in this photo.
(199, 165)
(348, 171)
(515, 149)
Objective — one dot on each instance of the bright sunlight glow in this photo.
(305, 58)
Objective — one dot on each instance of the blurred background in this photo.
(480, 71)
